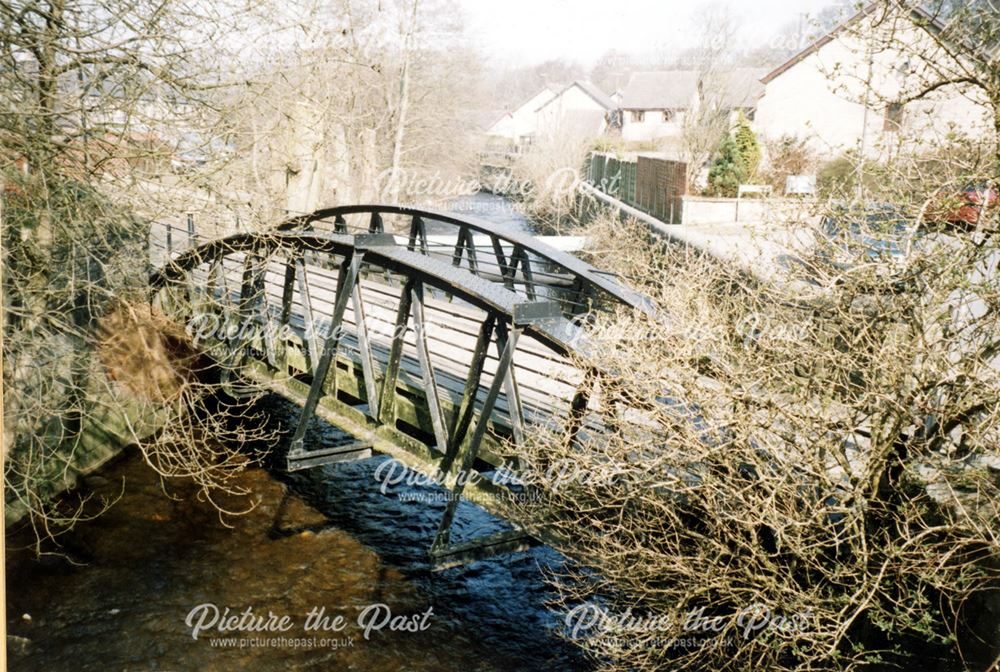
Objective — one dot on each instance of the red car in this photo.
(965, 207)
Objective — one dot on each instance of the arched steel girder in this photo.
(585, 279)
(458, 435)
(380, 250)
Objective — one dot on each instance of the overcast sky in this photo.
(522, 32)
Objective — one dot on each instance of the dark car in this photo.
(867, 233)
(870, 237)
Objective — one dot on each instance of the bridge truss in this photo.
(441, 349)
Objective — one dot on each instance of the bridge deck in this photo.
(546, 381)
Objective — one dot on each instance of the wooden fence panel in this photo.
(655, 186)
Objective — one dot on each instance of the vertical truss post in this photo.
(194, 292)
(245, 309)
(312, 337)
(443, 536)
(578, 292)
(511, 390)
(505, 274)
(254, 303)
(340, 224)
(191, 293)
(519, 256)
(365, 348)
(529, 283)
(463, 418)
(456, 255)
(287, 293)
(264, 314)
(216, 281)
(247, 284)
(218, 290)
(418, 235)
(578, 406)
(377, 227)
(464, 244)
(470, 241)
(235, 348)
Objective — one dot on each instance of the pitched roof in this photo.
(494, 120)
(591, 90)
(742, 87)
(660, 90)
(551, 91)
(918, 12)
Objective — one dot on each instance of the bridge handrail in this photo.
(581, 271)
(557, 334)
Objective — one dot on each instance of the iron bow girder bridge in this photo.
(441, 345)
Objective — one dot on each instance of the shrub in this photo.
(736, 160)
(837, 177)
(788, 155)
(782, 485)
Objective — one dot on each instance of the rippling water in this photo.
(327, 537)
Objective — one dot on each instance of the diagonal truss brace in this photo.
(441, 543)
(346, 280)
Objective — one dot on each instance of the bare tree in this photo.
(612, 70)
(117, 113)
(802, 475)
(85, 89)
(772, 483)
(707, 123)
(375, 90)
(403, 104)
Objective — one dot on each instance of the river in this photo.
(119, 593)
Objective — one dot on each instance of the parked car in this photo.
(962, 206)
(870, 232)
(864, 236)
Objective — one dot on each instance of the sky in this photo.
(524, 32)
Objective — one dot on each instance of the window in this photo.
(893, 117)
(668, 116)
(638, 116)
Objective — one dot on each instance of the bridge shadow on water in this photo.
(505, 599)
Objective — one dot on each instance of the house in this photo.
(516, 128)
(737, 90)
(840, 93)
(656, 105)
(579, 109)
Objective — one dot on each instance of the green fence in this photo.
(655, 186)
(613, 177)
